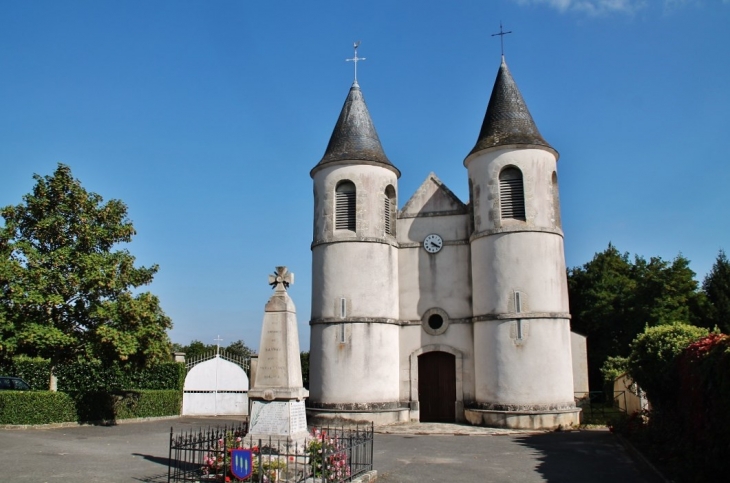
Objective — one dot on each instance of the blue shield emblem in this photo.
(241, 463)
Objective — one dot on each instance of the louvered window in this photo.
(556, 199)
(511, 194)
(386, 213)
(345, 206)
(389, 205)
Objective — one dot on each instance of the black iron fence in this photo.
(599, 406)
(327, 455)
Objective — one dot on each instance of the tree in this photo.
(67, 294)
(716, 287)
(304, 360)
(612, 300)
(240, 349)
(197, 349)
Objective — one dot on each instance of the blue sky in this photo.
(206, 117)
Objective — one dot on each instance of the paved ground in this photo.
(137, 451)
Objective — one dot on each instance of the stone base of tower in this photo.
(546, 419)
(396, 413)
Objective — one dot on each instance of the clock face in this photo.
(433, 243)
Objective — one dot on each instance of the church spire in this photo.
(354, 137)
(507, 121)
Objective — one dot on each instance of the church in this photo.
(445, 310)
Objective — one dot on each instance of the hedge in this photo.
(104, 406)
(44, 407)
(36, 407)
(93, 377)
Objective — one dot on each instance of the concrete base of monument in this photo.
(541, 420)
(335, 417)
(279, 421)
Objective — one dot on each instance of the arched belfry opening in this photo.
(389, 210)
(345, 209)
(511, 194)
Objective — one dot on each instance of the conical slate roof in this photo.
(354, 137)
(507, 121)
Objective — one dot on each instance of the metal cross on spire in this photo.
(218, 341)
(501, 34)
(355, 59)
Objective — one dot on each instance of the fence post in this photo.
(169, 458)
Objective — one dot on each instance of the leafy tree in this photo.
(66, 293)
(240, 349)
(304, 360)
(612, 300)
(197, 349)
(716, 287)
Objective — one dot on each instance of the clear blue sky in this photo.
(205, 118)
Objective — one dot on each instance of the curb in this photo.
(74, 424)
(371, 475)
(648, 466)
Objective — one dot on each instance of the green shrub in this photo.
(652, 363)
(33, 370)
(110, 406)
(36, 407)
(95, 377)
(147, 404)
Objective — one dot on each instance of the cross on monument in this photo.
(355, 59)
(281, 279)
(218, 341)
(501, 34)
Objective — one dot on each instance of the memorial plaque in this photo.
(271, 418)
(298, 415)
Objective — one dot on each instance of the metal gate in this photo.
(216, 384)
(437, 387)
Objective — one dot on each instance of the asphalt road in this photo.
(137, 451)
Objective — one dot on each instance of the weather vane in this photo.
(355, 59)
(501, 34)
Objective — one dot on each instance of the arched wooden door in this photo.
(437, 387)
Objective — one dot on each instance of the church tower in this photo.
(354, 332)
(522, 345)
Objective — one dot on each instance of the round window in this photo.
(435, 321)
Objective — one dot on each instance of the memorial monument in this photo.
(278, 394)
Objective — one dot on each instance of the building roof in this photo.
(354, 137)
(507, 121)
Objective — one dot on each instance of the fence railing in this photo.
(327, 455)
(600, 405)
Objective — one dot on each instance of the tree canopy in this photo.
(717, 289)
(67, 292)
(198, 349)
(613, 299)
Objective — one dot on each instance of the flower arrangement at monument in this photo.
(327, 457)
(268, 465)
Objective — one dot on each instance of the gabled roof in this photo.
(433, 198)
(507, 121)
(354, 137)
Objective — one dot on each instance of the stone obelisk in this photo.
(278, 394)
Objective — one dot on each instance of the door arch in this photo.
(450, 361)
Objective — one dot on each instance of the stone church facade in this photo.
(443, 310)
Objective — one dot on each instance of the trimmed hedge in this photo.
(148, 403)
(44, 407)
(93, 377)
(36, 407)
(104, 406)
(33, 370)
